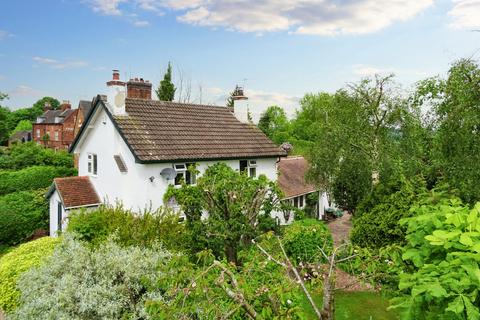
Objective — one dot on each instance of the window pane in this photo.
(89, 167)
(59, 216)
(94, 164)
(301, 201)
(253, 172)
(295, 202)
(179, 178)
(243, 165)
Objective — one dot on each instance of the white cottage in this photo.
(131, 148)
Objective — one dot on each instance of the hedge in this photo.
(19, 260)
(30, 154)
(31, 178)
(21, 213)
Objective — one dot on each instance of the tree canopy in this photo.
(274, 123)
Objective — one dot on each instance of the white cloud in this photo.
(60, 64)
(315, 17)
(141, 23)
(5, 34)
(258, 100)
(465, 14)
(107, 7)
(368, 71)
(24, 91)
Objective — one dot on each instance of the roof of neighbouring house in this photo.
(49, 116)
(291, 179)
(75, 192)
(20, 134)
(85, 106)
(160, 131)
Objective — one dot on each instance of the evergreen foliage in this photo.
(166, 89)
(29, 154)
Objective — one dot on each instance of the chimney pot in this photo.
(116, 75)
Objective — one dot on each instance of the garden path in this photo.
(340, 229)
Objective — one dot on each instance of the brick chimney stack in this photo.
(65, 105)
(139, 89)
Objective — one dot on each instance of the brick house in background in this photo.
(55, 129)
(84, 108)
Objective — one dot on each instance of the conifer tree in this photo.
(166, 89)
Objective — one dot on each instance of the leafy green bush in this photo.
(17, 261)
(21, 213)
(375, 266)
(29, 154)
(443, 249)
(380, 226)
(130, 228)
(302, 239)
(205, 292)
(80, 282)
(31, 178)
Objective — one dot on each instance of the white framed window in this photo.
(185, 173)
(38, 133)
(56, 136)
(249, 167)
(92, 164)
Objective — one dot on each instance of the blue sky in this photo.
(279, 49)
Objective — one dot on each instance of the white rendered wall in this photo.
(134, 188)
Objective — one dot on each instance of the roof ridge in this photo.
(175, 103)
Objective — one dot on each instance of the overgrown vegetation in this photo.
(26, 172)
(20, 260)
(129, 228)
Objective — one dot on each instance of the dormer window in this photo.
(92, 164)
(184, 173)
(249, 167)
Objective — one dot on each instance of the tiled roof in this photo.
(291, 179)
(85, 107)
(21, 134)
(76, 192)
(50, 115)
(165, 131)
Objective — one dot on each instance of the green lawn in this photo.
(356, 305)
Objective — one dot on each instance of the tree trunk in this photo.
(231, 253)
(328, 310)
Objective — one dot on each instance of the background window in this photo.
(92, 164)
(56, 135)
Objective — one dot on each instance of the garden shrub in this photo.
(379, 226)
(200, 293)
(375, 266)
(81, 282)
(31, 178)
(21, 213)
(24, 155)
(443, 249)
(17, 261)
(302, 239)
(130, 228)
